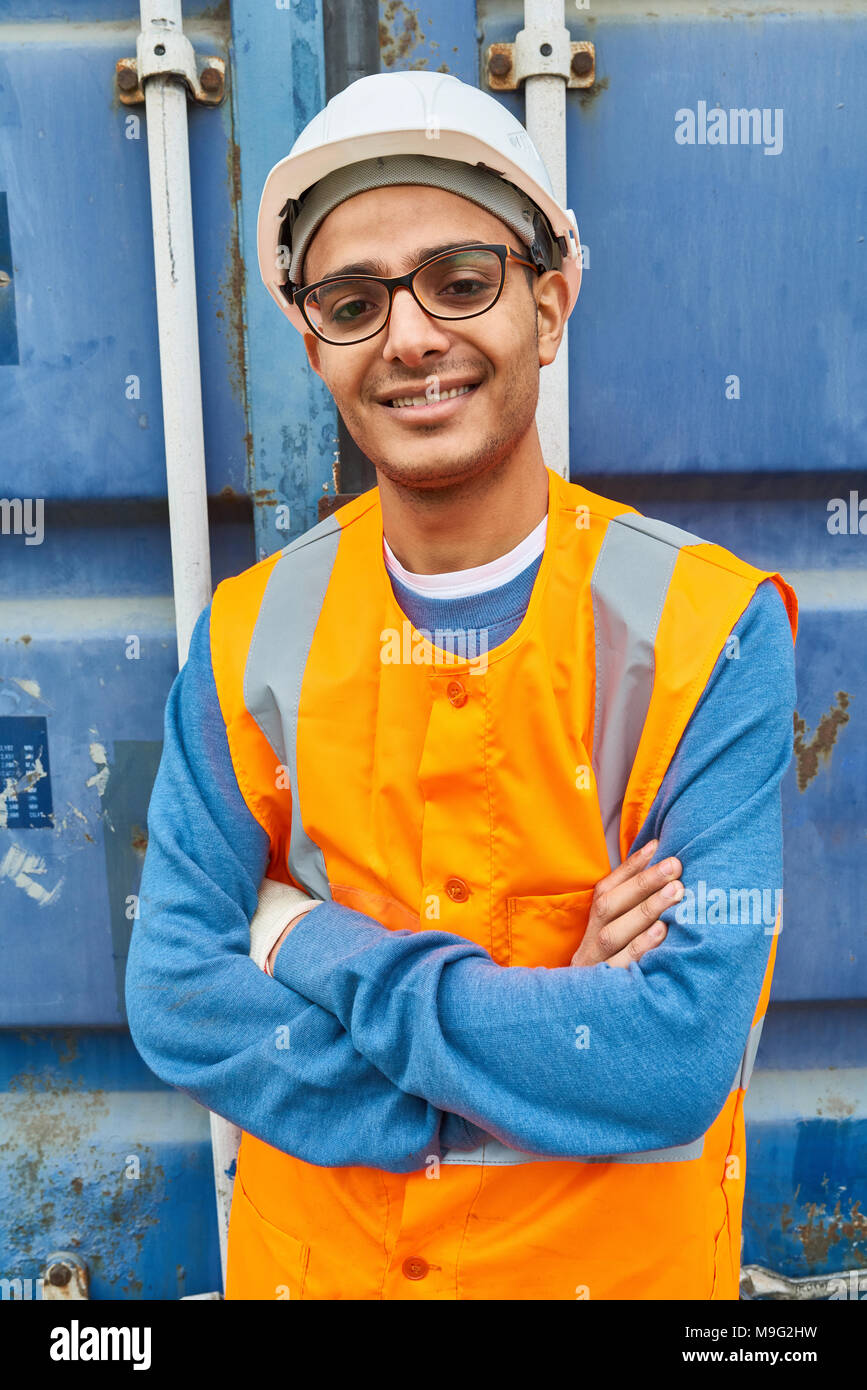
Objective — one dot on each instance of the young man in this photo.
(435, 722)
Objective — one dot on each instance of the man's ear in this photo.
(552, 311)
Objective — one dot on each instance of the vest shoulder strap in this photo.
(271, 610)
(664, 602)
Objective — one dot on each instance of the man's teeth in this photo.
(423, 400)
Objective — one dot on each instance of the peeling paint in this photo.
(18, 865)
(807, 754)
(72, 1143)
(29, 687)
(835, 1108)
(70, 825)
(820, 1231)
(99, 779)
(400, 38)
(587, 95)
(264, 497)
(399, 35)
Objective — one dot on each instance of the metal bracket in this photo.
(540, 53)
(758, 1284)
(162, 51)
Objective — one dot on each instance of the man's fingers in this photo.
(627, 905)
(616, 935)
(639, 946)
(609, 904)
(629, 867)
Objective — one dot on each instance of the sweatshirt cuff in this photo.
(320, 944)
(278, 904)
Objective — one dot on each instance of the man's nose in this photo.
(412, 333)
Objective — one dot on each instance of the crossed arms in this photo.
(383, 1048)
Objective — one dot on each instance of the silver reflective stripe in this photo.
(494, 1155)
(276, 662)
(748, 1061)
(630, 581)
(681, 1153)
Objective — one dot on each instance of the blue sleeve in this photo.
(497, 1045)
(203, 1016)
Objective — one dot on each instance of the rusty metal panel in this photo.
(99, 1158)
(717, 382)
(87, 643)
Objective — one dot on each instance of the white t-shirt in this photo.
(463, 583)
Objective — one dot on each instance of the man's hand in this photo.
(624, 915)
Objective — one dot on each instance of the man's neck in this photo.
(441, 530)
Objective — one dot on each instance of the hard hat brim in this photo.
(292, 175)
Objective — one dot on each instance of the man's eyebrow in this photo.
(412, 258)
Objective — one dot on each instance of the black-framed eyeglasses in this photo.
(458, 284)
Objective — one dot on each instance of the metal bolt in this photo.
(59, 1275)
(127, 79)
(500, 65)
(546, 50)
(582, 63)
(212, 79)
(160, 49)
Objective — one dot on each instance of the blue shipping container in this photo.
(718, 369)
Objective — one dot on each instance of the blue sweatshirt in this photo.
(406, 1044)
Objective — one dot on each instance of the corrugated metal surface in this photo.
(719, 374)
(95, 1153)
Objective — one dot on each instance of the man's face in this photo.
(497, 354)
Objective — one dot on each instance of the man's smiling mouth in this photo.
(428, 401)
(423, 400)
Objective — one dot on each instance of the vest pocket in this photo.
(263, 1262)
(547, 929)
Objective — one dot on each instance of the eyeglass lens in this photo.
(454, 287)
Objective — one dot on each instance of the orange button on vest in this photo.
(625, 622)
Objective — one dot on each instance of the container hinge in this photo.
(540, 52)
(162, 49)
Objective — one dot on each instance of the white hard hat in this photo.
(412, 114)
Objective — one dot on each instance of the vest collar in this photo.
(433, 657)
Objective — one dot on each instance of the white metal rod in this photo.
(180, 373)
(545, 115)
(174, 263)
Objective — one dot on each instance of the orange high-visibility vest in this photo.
(394, 767)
